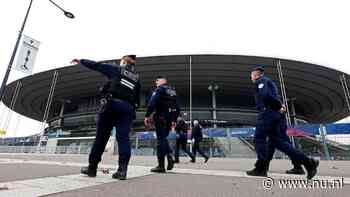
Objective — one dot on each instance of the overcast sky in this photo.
(313, 31)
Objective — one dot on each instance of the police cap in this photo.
(259, 68)
(161, 77)
(133, 57)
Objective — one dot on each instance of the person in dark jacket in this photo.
(197, 136)
(164, 103)
(270, 121)
(120, 98)
(181, 139)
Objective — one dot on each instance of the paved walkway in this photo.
(58, 175)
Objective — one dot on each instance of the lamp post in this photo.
(4, 81)
(213, 88)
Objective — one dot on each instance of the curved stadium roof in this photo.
(317, 89)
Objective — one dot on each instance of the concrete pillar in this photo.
(61, 114)
(51, 145)
(229, 139)
(323, 134)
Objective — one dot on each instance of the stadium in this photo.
(215, 89)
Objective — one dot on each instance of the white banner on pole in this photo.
(27, 54)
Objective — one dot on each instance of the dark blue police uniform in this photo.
(264, 89)
(121, 97)
(197, 135)
(269, 124)
(181, 140)
(297, 168)
(164, 102)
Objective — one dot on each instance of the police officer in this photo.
(297, 167)
(197, 136)
(121, 97)
(164, 102)
(181, 139)
(270, 120)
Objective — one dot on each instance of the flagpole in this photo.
(4, 81)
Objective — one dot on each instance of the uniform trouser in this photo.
(268, 126)
(181, 143)
(271, 148)
(117, 114)
(163, 126)
(197, 148)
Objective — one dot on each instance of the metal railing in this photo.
(46, 149)
(234, 147)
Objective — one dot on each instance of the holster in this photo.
(105, 103)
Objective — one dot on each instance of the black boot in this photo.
(260, 169)
(206, 159)
(121, 172)
(170, 162)
(257, 172)
(311, 167)
(160, 168)
(296, 170)
(91, 170)
(193, 159)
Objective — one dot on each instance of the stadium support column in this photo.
(229, 138)
(284, 94)
(191, 93)
(12, 105)
(191, 99)
(3, 111)
(323, 133)
(345, 89)
(136, 142)
(48, 106)
(63, 104)
(214, 107)
(50, 97)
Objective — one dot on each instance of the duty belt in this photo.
(117, 99)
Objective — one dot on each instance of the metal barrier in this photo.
(46, 149)
(233, 147)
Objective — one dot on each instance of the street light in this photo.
(3, 85)
(213, 88)
(66, 13)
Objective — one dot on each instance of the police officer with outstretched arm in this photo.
(121, 97)
(270, 120)
(164, 103)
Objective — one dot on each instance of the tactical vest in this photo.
(168, 103)
(167, 98)
(124, 86)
